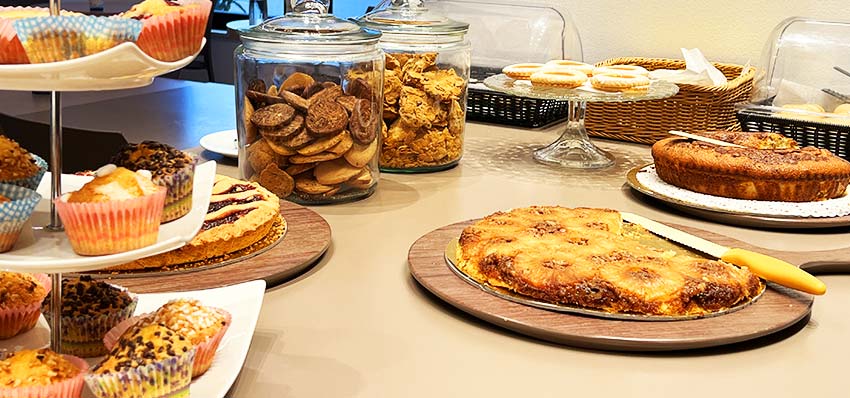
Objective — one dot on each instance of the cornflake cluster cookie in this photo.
(308, 140)
(424, 112)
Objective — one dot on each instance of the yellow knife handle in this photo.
(775, 270)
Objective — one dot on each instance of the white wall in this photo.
(732, 31)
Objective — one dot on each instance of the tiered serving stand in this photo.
(573, 148)
(45, 248)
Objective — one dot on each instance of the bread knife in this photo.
(704, 139)
(767, 267)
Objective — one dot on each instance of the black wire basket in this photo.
(491, 106)
(833, 137)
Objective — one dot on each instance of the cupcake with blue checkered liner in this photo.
(64, 37)
(16, 207)
(18, 166)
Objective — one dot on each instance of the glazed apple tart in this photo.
(589, 258)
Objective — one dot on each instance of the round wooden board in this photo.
(776, 310)
(307, 237)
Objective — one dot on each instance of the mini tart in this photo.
(582, 67)
(521, 71)
(204, 327)
(148, 361)
(20, 302)
(170, 167)
(771, 167)
(562, 78)
(618, 69)
(618, 82)
(129, 203)
(41, 374)
(240, 214)
(90, 309)
(18, 166)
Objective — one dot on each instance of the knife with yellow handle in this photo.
(766, 267)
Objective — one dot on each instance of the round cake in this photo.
(769, 167)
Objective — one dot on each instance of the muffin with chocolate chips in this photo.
(91, 308)
(148, 361)
(20, 302)
(202, 325)
(171, 168)
(41, 373)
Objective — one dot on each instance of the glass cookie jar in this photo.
(308, 102)
(426, 76)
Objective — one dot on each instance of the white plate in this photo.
(222, 142)
(243, 301)
(122, 66)
(38, 250)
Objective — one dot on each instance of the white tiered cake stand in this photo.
(46, 248)
(573, 148)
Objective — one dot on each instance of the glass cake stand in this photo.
(573, 148)
(121, 67)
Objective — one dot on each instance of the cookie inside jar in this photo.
(312, 136)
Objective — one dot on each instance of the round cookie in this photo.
(335, 172)
(619, 69)
(298, 140)
(295, 100)
(842, 109)
(276, 180)
(309, 185)
(360, 155)
(362, 122)
(319, 157)
(582, 67)
(273, 115)
(296, 169)
(297, 79)
(343, 145)
(521, 71)
(322, 144)
(326, 117)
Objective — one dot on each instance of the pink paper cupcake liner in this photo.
(99, 228)
(159, 379)
(176, 35)
(71, 388)
(14, 321)
(205, 351)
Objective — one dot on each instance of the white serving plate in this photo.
(120, 67)
(222, 142)
(243, 301)
(39, 250)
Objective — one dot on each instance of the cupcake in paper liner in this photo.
(203, 326)
(41, 374)
(11, 50)
(119, 210)
(90, 309)
(16, 207)
(170, 167)
(160, 366)
(173, 29)
(18, 166)
(64, 37)
(21, 304)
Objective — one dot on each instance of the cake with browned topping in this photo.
(589, 258)
(240, 213)
(769, 167)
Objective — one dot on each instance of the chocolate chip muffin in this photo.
(148, 361)
(90, 308)
(171, 168)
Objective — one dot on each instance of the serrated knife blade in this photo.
(766, 267)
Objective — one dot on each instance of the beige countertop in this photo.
(358, 325)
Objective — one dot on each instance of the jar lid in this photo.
(411, 17)
(309, 22)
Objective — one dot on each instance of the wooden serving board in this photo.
(777, 309)
(307, 237)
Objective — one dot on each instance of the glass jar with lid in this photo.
(308, 102)
(426, 76)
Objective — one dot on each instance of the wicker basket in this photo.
(694, 108)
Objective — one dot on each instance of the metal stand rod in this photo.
(55, 157)
(56, 313)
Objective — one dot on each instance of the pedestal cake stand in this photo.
(573, 148)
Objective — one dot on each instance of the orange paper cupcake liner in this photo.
(100, 228)
(11, 50)
(176, 35)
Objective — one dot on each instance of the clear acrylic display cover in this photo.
(504, 32)
(801, 64)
